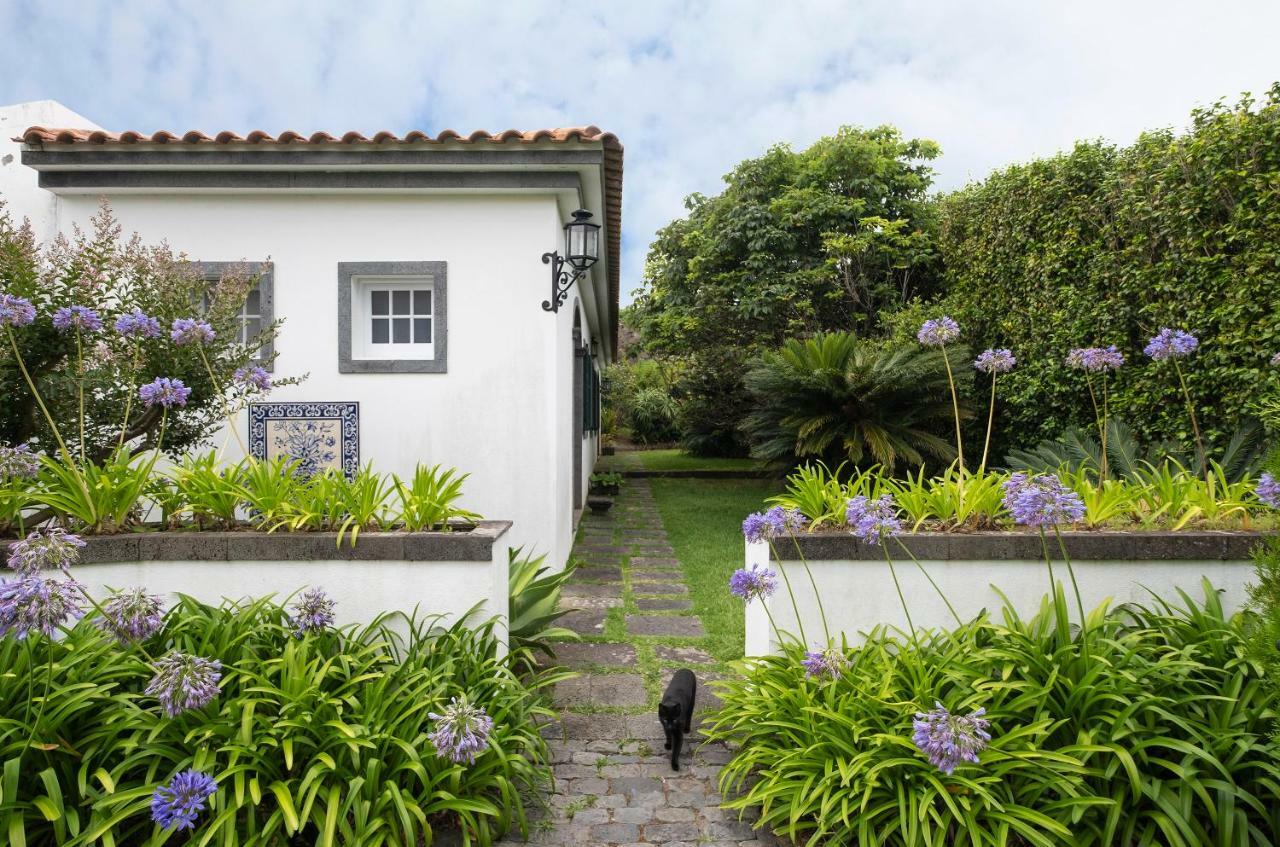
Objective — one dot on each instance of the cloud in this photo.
(690, 87)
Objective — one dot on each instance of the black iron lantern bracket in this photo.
(562, 279)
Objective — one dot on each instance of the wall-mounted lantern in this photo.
(581, 251)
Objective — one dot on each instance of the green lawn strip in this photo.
(703, 519)
(678, 460)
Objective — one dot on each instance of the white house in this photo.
(408, 270)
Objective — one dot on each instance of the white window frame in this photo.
(357, 353)
(363, 345)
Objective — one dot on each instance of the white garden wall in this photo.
(858, 593)
(445, 574)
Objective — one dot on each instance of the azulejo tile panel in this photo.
(320, 436)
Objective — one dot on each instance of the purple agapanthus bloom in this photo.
(949, 739)
(1041, 501)
(132, 616)
(18, 462)
(995, 361)
(750, 583)
(45, 548)
(462, 732)
(872, 520)
(755, 528)
(15, 310)
(1095, 359)
(313, 612)
(829, 662)
(1269, 490)
(138, 324)
(164, 392)
(935, 333)
(178, 804)
(77, 317)
(253, 377)
(1171, 344)
(774, 523)
(189, 330)
(32, 603)
(184, 682)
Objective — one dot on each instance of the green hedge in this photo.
(1107, 244)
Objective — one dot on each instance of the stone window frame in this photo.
(349, 272)
(213, 271)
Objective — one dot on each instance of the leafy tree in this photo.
(101, 270)
(836, 397)
(797, 243)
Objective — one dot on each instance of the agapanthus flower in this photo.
(829, 662)
(132, 615)
(178, 804)
(32, 603)
(949, 739)
(1275, 360)
(312, 612)
(1095, 359)
(189, 330)
(872, 520)
(462, 732)
(1170, 344)
(15, 310)
(138, 324)
(750, 583)
(77, 317)
(253, 377)
(184, 682)
(995, 361)
(773, 523)
(935, 333)
(164, 392)
(1041, 501)
(1269, 490)
(18, 462)
(45, 548)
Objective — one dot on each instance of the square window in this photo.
(392, 315)
(257, 311)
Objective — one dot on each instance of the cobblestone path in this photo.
(613, 780)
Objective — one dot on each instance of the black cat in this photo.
(675, 712)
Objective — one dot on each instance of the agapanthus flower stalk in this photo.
(776, 523)
(132, 616)
(1170, 345)
(178, 804)
(993, 362)
(312, 612)
(1097, 360)
(939, 333)
(45, 548)
(462, 731)
(183, 682)
(949, 740)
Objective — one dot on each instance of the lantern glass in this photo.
(581, 241)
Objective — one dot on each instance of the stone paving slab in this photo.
(615, 689)
(583, 589)
(660, 588)
(575, 655)
(654, 562)
(657, 575)
(596, 574)
(652, 550)
(684, 655)
(584, 621)
(684, 627)
(663, 604)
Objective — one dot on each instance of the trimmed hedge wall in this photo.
(1106, 245)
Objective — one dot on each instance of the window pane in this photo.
(252, 327)
(422, 330)
(380, 299)
(253, 303)
(422, 302)
(400, 331)
(381, 331)
(400, 302)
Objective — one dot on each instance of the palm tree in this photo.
(838, 397)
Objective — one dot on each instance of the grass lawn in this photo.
(703, 518)
(674, 459)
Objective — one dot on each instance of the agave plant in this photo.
(837, 398)
(535, 603)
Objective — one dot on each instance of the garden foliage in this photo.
(1161, 733)
(326, 736)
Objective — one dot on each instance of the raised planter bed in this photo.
(858, 593)
(437, 573)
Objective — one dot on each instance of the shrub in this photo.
(1160, 734)
(836, 397)
(639, 396)
(535, 604)
(327, 735)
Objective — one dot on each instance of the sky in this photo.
(691, 88)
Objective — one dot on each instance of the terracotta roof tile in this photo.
(39, 136)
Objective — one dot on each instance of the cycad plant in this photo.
(838, 398)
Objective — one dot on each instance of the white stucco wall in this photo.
(858, 595)
(19, 190)
(501, 413)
